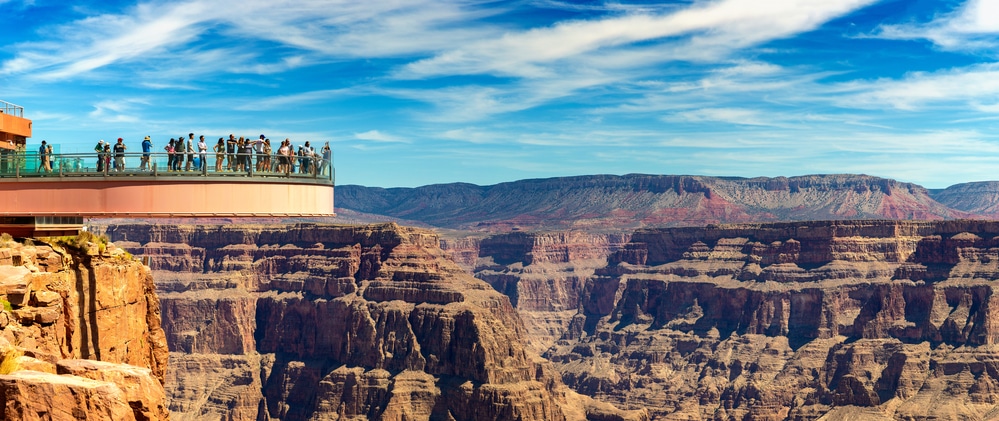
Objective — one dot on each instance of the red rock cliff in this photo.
(855, 319)
(87, 323)
(317, 321)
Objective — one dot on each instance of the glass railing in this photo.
(131, 164)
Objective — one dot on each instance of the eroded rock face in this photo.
(793, 321)
(336, 322)
(542, 273)
(82, 335)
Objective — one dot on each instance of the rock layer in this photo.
(608, 203)
(887, 319)
(81, 336)
(543, 274)
(336, 322)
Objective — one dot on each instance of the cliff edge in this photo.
(81, 333)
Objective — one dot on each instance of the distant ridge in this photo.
(980, 198)
(611, 203)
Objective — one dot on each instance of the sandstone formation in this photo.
(81, 334)
(606, 203)
(543, 274)
(339, 322)
(846, 320)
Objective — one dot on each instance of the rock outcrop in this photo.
(339, 322)
(543, 274)
(606, 203)
(848, 320)
(81, 334)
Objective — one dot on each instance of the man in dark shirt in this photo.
(119, 155)
(230, 151)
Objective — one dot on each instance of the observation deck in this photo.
(51, 195)
(14, 128)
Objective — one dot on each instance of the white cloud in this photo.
(725, 115)
(971, 27)
(973, 88)
(710, 29)
(377, 136)
(167, 35)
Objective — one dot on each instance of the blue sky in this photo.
(416, 92)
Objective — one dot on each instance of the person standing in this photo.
(258, 148)
(306, 158)
(202, 153)
(219, 149)
(189, 147)
(107, 157)
(42, 158)
(100, 155)
(327, 158)
(147, 147)
(170, 149)
(267, 155)
(119, 155)
(283, 157)
(230, 151)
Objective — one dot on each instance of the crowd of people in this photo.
(234, 154)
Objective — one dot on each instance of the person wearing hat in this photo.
(147, 147)
(100, 155)
(119, 155)
(230, 152)
(258, 148)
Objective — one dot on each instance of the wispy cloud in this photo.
(968, 88)
(377, 136)
(709, 30)
(971, 27)
(166, 34)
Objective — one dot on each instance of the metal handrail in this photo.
(161, 164)
(11, 109)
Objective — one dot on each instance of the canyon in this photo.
(341, 322)
(598, 297)
(873, 319)
(837, 319)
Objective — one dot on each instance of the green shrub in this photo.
(6, 305)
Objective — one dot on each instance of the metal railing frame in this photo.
(29, 165)
(11, 109)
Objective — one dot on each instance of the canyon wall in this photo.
(848, 320)
(543, 274)
(340, 322)
(81, 334)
